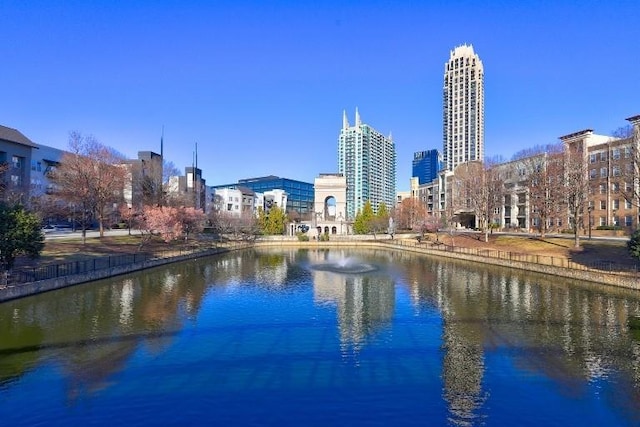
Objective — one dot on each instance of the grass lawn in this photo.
(590, 251)
(73, 249)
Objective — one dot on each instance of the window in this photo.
(602, 221)
(627, 204)
(616, 220)
(15, 161)
(616, 171)
(603, 189)
(592, 158)
(603, 205)
(603, 157)
(616, 153)
(603, 172)
(627, 152)
(628, 221)
(615, 187)
(616, 204)
(593, 173)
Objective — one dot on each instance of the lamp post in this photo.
(129, 217)
(590, 208)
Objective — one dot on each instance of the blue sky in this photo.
(260, 86)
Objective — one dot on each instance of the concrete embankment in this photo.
(26, 289)
(622, 280)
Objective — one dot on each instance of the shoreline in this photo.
(628, 281)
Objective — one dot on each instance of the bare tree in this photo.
(239, 227)
(478, 190)
(576, 185)
(544, 182)
(630, 166)
(91, 176)
(409, 214)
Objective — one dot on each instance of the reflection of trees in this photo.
(93, 330)
(570, 333)
(18, 349)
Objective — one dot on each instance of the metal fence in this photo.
(602, 266)
(84, 266)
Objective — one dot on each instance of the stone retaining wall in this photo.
(628, 281)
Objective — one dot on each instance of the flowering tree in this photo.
(172, 223)
(192, 220)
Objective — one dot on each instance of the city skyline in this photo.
(260, 87)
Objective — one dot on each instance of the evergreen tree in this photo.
(634, 244)
(20, 234)
(362, 223)
(273, 221)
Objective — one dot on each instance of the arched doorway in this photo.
(330, 208)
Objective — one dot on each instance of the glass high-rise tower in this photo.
(367, 159)
(426, 165)
(463, 108)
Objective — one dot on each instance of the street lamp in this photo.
(129, 220)
(590, 208)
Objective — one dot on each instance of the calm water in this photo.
(265, 338)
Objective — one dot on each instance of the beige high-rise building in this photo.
(463, 108)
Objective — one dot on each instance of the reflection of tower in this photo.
(463, 363)
(364, 302)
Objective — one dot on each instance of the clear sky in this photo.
(260, 86)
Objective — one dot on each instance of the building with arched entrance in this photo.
(329, 208)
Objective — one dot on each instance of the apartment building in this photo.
(367, 159)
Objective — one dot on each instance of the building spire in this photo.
(345, 121)
(162, 143)
(358, 121)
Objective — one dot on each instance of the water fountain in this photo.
(345, 265)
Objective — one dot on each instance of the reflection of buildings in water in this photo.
(571, 335)
(462, 372)
(126, 303)
(364, 302)
(460, 300)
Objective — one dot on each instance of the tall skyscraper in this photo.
(463, 108)
(367, 159)
(426, 165)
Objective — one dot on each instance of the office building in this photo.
(426, 165)
(299, 195)
(367, 159)
(463, 108)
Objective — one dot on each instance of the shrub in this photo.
(324, 237)
(634, 244)
(302, 237)
(608, 227)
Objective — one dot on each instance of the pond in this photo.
(322, 337)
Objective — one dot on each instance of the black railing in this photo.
(605, 266)
(88, 265)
